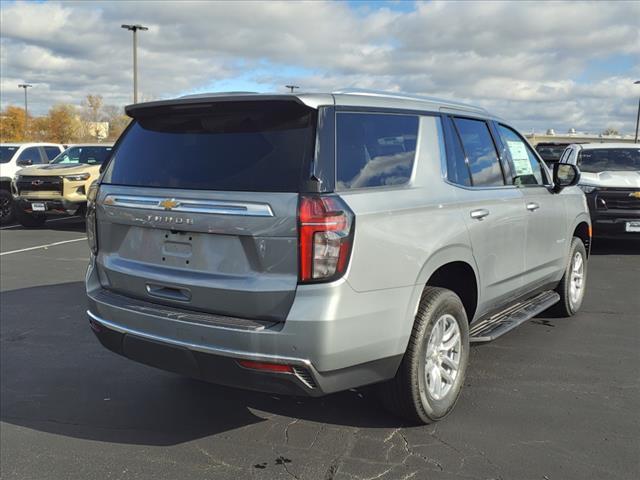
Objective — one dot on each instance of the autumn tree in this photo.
(12, 124)
(63, 124)
(118, 121)
(93, 107)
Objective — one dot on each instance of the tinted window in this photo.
(457, 168)
(481, 152)
(243, 146)
(88, 155)
(609, 159)
(52, 152)
(374, 150)
(524, 164)
(550, 153)
(7, 153)
(31, 153)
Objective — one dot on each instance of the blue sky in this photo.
(555, 65)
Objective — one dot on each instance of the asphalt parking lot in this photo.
(555, 399)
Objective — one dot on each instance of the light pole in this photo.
(134, 29)
(26, 111)
(291, 87)
(637, 82)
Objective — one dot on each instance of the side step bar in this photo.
(492, 327)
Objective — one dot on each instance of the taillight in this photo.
(92, 228)
(326, 234)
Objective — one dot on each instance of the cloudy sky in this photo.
(540, 64)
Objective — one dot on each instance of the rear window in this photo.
(51, 152)
(374, 149)
(243, 146)
(551, 153)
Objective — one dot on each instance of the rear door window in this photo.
(263, 146)
(374, 149)
(481, 152)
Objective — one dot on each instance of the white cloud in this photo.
(538, 64)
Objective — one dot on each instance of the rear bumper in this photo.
(327, 353)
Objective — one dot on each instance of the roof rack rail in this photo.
(216, 94)
(407, 96)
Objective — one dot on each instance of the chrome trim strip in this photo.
(187, 205)
(202, 348)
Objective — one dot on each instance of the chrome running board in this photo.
(490, 328)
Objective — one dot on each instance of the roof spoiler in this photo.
(202, 101)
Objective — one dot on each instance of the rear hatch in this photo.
(197, 208)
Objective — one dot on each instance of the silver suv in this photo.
(312, 243)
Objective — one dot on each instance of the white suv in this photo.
(13, 157)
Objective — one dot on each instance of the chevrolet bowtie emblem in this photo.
(169, 203)
(635, 194)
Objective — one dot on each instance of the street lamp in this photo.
(26, 112)
(134, 29)
(637, 82)
(291, 87)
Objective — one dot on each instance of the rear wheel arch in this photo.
(460, 278)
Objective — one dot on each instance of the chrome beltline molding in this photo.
(188, 205)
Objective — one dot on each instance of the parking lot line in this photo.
(42, 246)
(48, 221)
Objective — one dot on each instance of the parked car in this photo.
(60, 187)
(551, 152)
(611, 181)
(13, 157)
(312, 243)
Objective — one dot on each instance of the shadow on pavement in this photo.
(57, 378)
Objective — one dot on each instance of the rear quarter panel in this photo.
(404, 234)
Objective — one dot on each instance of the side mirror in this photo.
(565, 175)
(24, 162)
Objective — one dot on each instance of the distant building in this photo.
(552, 138)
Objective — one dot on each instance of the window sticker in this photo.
(520, 158)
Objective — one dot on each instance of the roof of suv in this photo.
(591, 146)
(344, 97)
(33, 144)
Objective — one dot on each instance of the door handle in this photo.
(479, 214)
(532, 206)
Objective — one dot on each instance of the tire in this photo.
(7, 207)
(411, 394)
(30, 220)
(569, 303)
